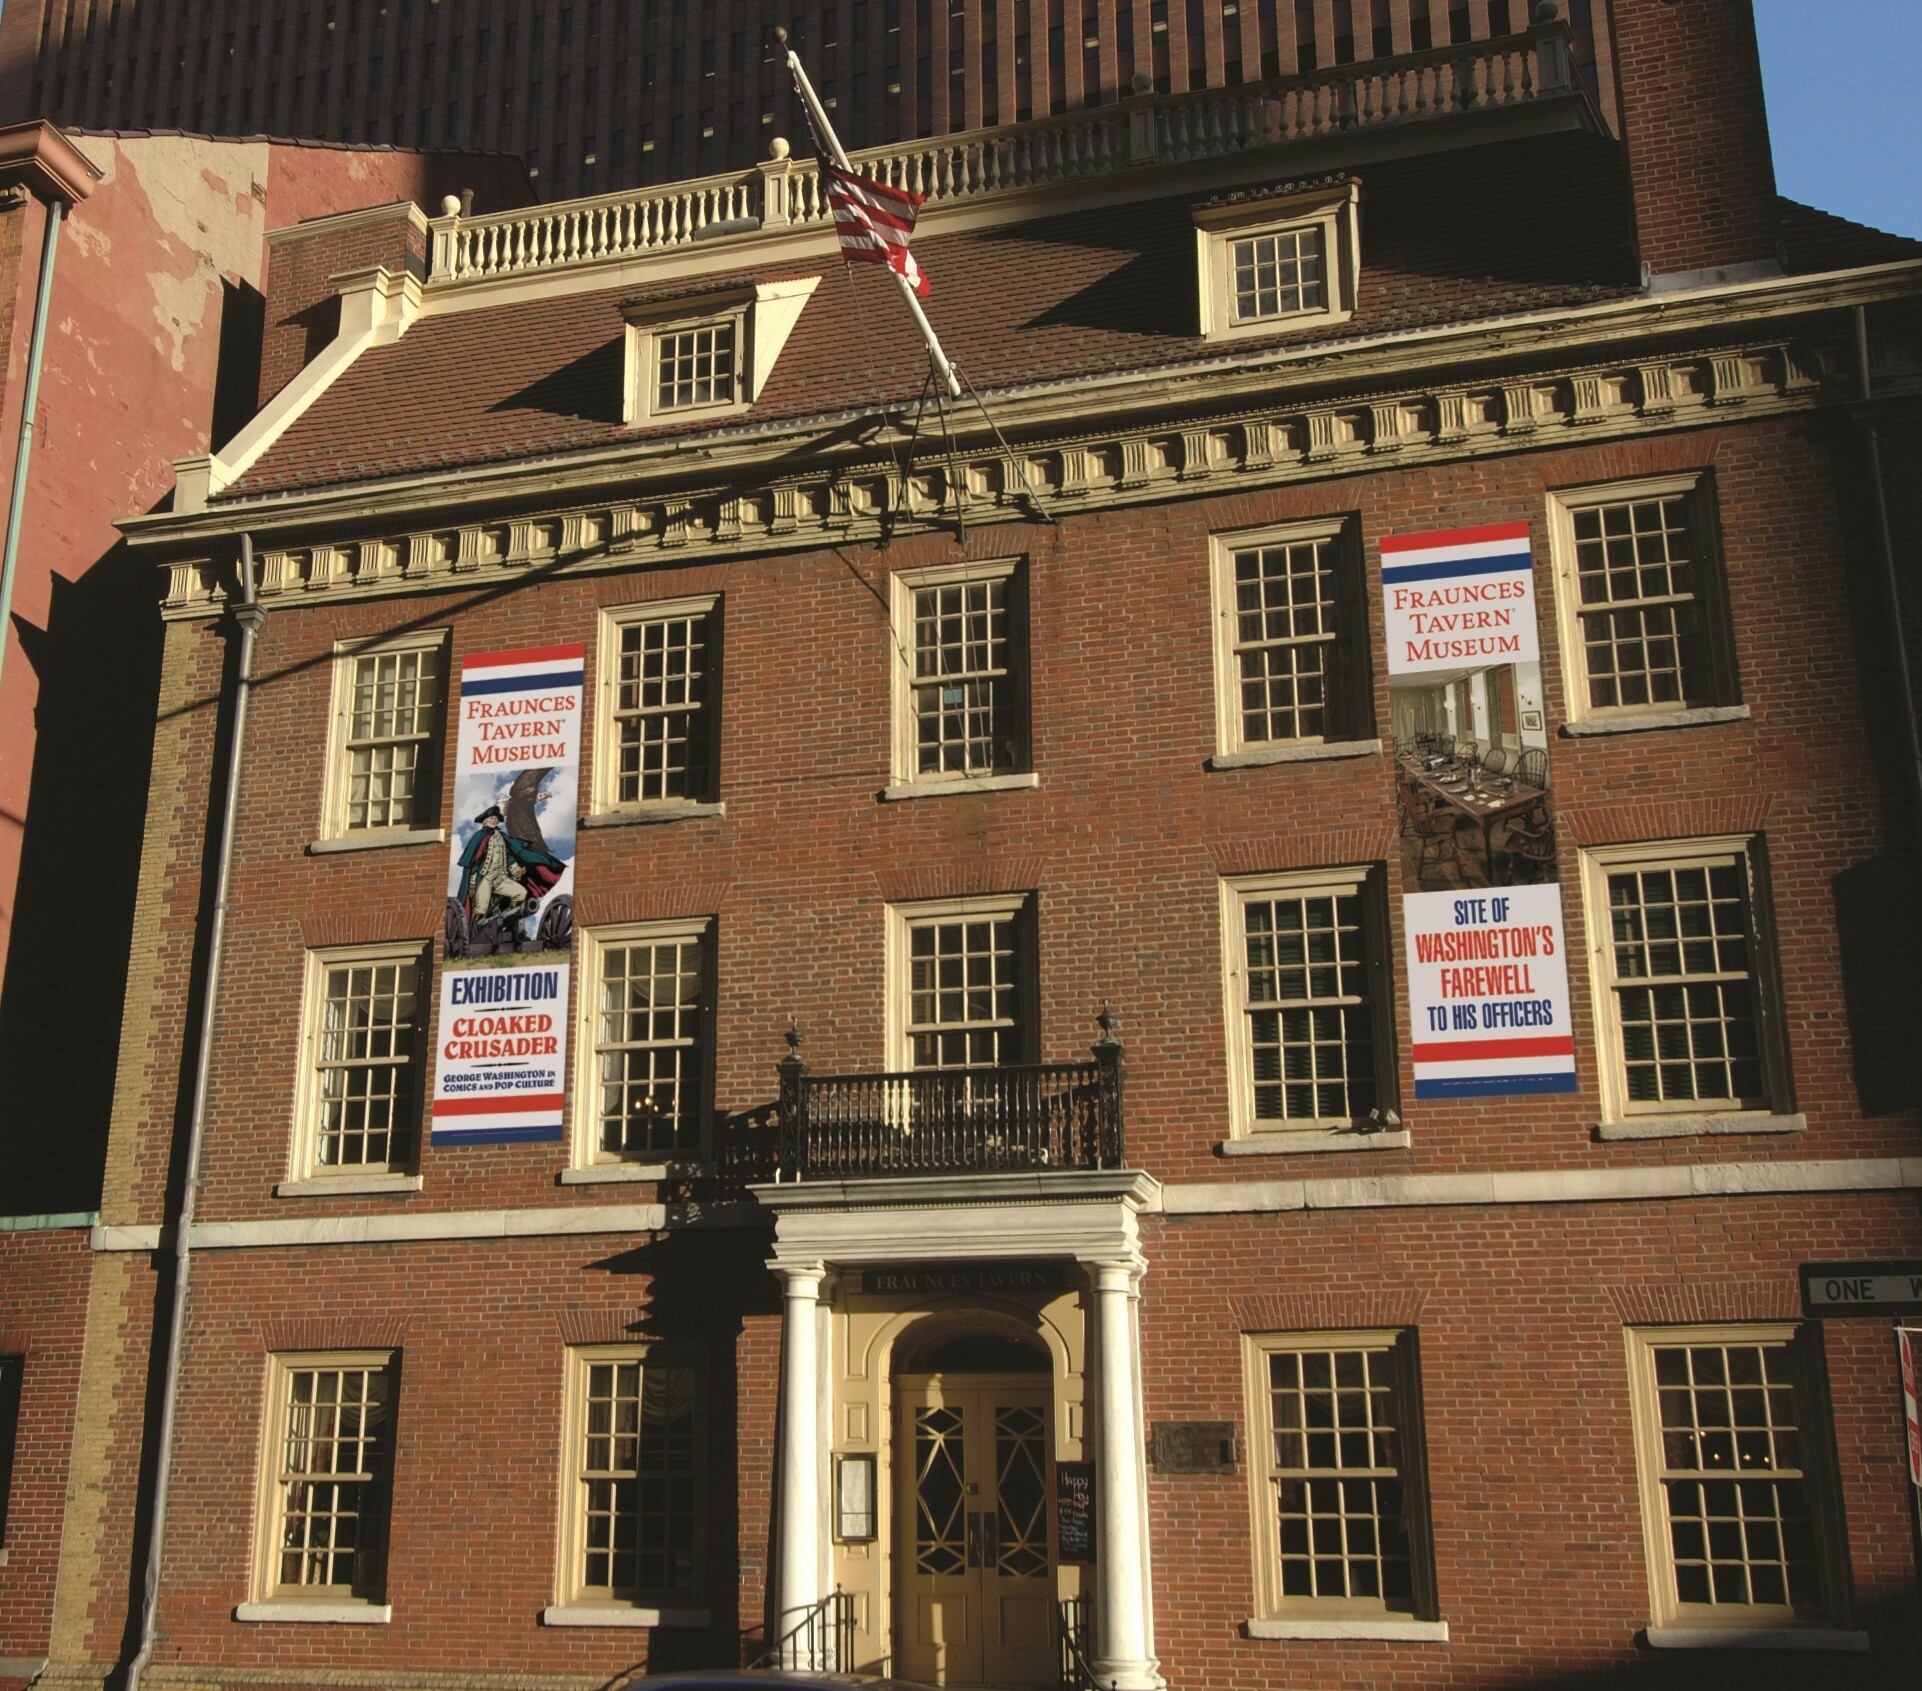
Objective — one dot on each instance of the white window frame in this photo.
(1347, 647)
(903, 919)
(1360, 880)
(1012, 698)
(614, 621)
(595, 944)
(304, 1165)
(1333, 211)
(338, 783)
(1399, 1348)
(762, 316)
(575, 1602)
(271, 1599)
(1816, 1438)
(1720, 691)
(1745, 850)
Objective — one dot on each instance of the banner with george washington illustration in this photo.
(500, 1070)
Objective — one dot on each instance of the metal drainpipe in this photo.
(1865, 420)
(16, 505)
(249, 615)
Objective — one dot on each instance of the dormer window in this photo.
(695, 367)
(1277, 261)
(690, 360)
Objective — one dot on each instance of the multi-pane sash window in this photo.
(633, 1509)
(1278, 273)
(660, 664)
(331, 1477)
(12, 1368)
(1302, 974)
(387, 705)
(694, 366)
(1335, 1473)
(962, 705)
(364, 1017)
(961, 692)
(647, 1042)
(392, 713)
(1733, 1474)
(961, 976)
(1285, 612)
(1686, 1030)
(1640, 590)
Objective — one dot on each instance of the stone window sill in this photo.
(377, 839)
(597, 1614)
(643, 815)
(1386, 1631)
(936, 789)
(1641, 722)
(318, 1614)
(1256, 756)
(347, 1185)
(609, 1174)
(1297, 1144)
(1695, 1127)
(1754, 1638)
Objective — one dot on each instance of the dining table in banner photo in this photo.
(1484, 800)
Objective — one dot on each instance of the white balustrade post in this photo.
(1124, 1657)
(1551, 48)
(443, 232)
(775, 176)
(797, 1571)
(1141, 119)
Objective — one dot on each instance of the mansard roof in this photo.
(1447, 238)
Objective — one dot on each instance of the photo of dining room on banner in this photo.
(1465, 697)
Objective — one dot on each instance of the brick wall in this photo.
(1696, 132)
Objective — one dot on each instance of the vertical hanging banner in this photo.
(1459, 598)
(501, 1070)
(1488, 992)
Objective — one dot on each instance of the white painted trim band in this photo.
(1754, 1638)
(1383, 1631)
(605, 1615)
(321, 1614)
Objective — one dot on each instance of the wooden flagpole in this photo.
(824, 130)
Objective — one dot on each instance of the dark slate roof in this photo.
(1446, 239)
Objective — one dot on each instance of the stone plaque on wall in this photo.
(1194, 1447)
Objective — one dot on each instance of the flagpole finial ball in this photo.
(450, 205)
(778, 147)
(780, 35)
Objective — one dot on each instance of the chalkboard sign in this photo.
(1074, 1510)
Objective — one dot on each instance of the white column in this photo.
(1124, 1655)
(797, 1575)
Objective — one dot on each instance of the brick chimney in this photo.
(1703, 182)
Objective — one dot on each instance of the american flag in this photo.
(874, 222)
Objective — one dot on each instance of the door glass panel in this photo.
(1021, 1474)
(940, 1495)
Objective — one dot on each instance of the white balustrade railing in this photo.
(1142, 129)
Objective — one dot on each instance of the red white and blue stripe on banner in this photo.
(1494, 1068)
(1449, 554)
(523, 671)
(515, 1119)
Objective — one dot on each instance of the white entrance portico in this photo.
(1078, 1234)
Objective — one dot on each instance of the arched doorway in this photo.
(974, 1585)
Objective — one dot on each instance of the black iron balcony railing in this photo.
(952, 1121)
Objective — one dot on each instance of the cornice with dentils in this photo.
(1218, 386)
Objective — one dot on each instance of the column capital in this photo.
(1119, 1274)
(799, 1279)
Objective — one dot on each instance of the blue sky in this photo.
(1844, 117)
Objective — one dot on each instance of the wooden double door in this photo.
(974, 1586)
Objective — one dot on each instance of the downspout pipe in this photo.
(1867, 420)
(36, 353)
(249, 616)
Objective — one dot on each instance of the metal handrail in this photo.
(821, 1640)
(1071, 1624)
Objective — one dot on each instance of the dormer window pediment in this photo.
(696, 358)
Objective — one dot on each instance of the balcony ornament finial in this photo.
(778, 149)
(1547, 11)
(1105, 1021)
(450, 205)
(793, 1037)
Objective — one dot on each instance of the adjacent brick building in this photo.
(1006, 1197)
(593, 95)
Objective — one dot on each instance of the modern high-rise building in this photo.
(595, 95)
